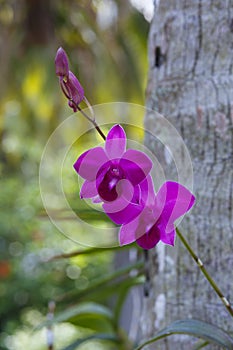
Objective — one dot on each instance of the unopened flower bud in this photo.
(75, 88)
(70, 84)
(61, 63)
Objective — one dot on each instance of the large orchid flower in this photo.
(156, 220)
(69, 83)
(118, 177)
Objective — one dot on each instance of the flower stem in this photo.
(205, 273)
(93, 122)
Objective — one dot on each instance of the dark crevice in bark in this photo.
(184, 34)
(198, 109)
(215, 136)
(207, 125)
(199, 37)
(228, 105)
(182, 129)
(230, 118)
(207, 118)
(215, 55)
(166, 344)
(195, 291)
(231, 24)
(221, 223)
(147, 274)
(178, 281)
(159, 57)
(230, 20)
(231, 64)
(230, 206)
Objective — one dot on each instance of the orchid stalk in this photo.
(200, 264)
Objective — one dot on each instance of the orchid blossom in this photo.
(156, 220)
(115, 176)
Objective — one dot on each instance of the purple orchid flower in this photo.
(115, 176)
(156, 220)
(69, 83)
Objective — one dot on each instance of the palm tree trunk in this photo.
(191, 84)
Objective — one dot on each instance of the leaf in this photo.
(93, 322)
(84, 308)
(89, 315)
(114, 288)
(99, 283)
(200, 345)
(90, 251)
(196, 328)
(99, 336)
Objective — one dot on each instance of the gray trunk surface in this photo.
(191, 84)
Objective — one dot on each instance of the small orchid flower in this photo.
(115, 176)
(156, 220)
(69, 83)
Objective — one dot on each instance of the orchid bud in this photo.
(69, 83)
(61, 63)
(75, 88)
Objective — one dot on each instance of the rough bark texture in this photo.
(191, 84)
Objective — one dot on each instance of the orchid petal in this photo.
(115, 144)
(174, 200)
(126, 190)
(150, 238)
(137, 228)
(127, 233)
(125, 208)
(173, 191)
(88, 164)
(147, 191)
(88, 189)
(136, 165)
(167, 237)
(76, 91)
(124, 216)
(97, 199)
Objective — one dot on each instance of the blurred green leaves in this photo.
(97, 336)
(87, 315)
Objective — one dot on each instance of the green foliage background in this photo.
(111, 62)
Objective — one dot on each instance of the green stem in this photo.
(205, 273)
(93, 122)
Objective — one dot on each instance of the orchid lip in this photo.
(108, 177)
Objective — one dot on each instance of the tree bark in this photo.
(191, 84)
